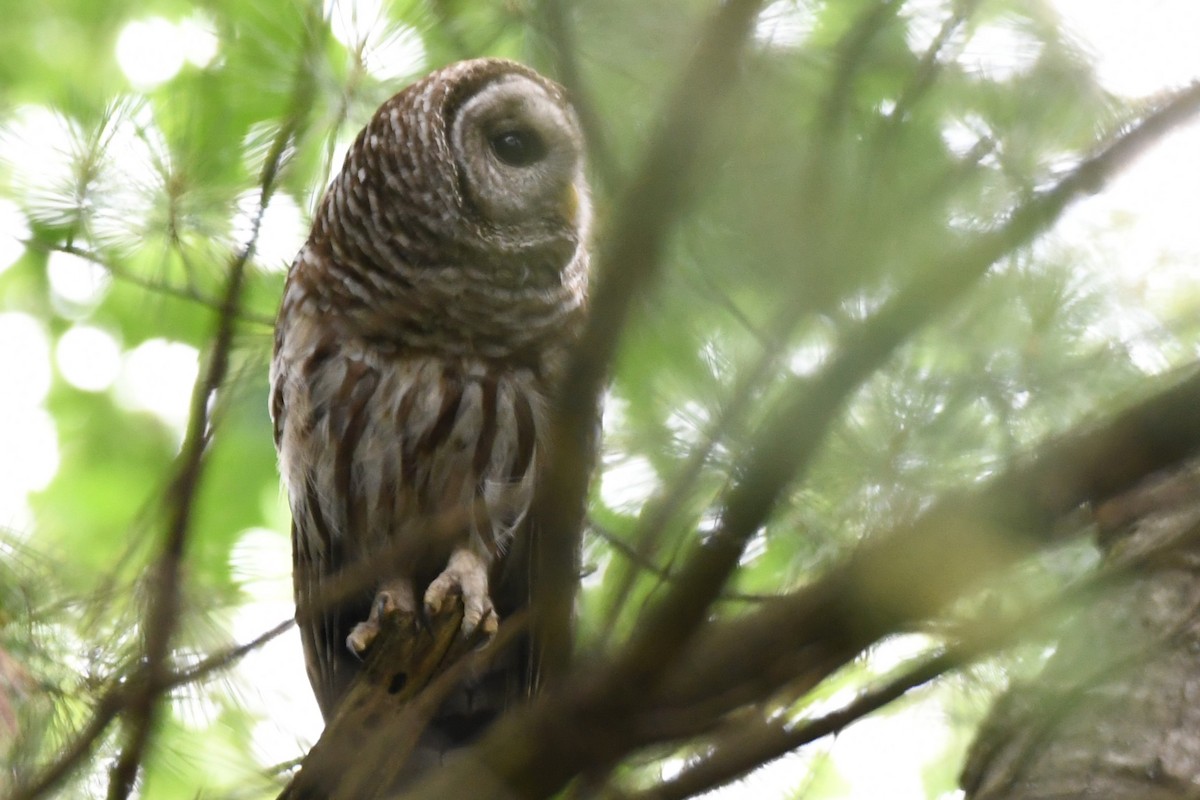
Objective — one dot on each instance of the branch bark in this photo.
(364, 750)
(629, 261)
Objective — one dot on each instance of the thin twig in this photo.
(225, 659)
(158, 287)
(929, 67)
(743, 746)
(624, 548)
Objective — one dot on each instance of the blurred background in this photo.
(132, 137)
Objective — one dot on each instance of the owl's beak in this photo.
(568, 204)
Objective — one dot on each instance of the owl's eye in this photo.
(518, 147)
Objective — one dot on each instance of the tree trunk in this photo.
(1114, 714)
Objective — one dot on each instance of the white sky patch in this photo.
(627, 484)
(882, 755)
(29, 457)
(200, 42)
(613, 412)
(281, 234)
(13, 231)
(807, 357)
(88, 357)
(925, 20)
(1141, 231)
(962, 135)
(390, 50)
(158, 376)
(261, 563)
(152, 51)
(1138, 48)
(785, 23)
(276, 689)
(754, 549)
(1001, 51)
(28, 439)
(688, 423)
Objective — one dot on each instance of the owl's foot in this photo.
(393, 599)
(466, 575)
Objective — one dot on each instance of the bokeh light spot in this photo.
(76, 280)
(24, 363)
(151, 52)
(88, 358)
(158, 376)
(13, 231)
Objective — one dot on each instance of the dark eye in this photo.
(518, 147)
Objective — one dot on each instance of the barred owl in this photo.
(423, 327)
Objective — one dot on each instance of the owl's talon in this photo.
(465, 576)
(393, 600)
(361, 638)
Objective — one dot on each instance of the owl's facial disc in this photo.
(520, 153)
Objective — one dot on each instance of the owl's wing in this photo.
(319, 557)
(323, 624)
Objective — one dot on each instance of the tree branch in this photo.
(553, 17)
(593, 718)
(164, 611)
(409, 672)
(788, 443)
(910, 573)
(628, 263)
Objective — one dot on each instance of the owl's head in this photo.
(479, 166)
(517, 145)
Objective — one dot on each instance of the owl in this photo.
(423, 329)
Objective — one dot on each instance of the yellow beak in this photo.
(569, 203)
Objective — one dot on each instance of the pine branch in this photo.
(164, 610)
(629, 261)
(137, 699)
(188, 293)
(900, 577)
(594, 716)
(790, 440)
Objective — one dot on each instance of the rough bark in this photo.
(1114, 713)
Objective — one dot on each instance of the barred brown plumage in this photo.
(423, 327)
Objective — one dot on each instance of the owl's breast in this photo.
(380, 448)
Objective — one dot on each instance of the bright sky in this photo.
(1144, 225)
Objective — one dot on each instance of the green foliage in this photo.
(851, 162)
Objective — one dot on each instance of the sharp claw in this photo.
(361, 637)
(465, 576)
(393, 600)
(491, 623)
